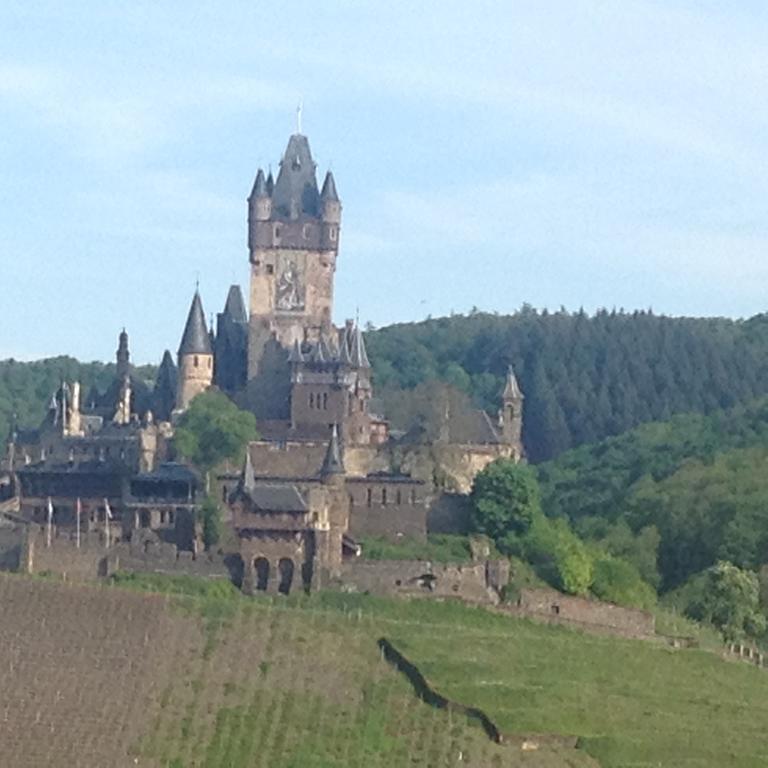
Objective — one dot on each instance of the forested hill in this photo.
(699, 482)
(26, 388)
(584, 377)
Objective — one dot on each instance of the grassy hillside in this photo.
(222, 680)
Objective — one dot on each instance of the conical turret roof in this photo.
(195, 339)
(329, 189)
(358, 351)
(235, 305)
(260, 185)
(333, 463)
(512, 389)
(295, 355)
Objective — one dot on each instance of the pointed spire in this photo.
(358, 351)
(317, 353)
(332, 463)
(344, 356)
(512, 390)
(329, 189)
(259, 185)
(195, 339)
(295, 191)
(270, 183)
(295, 356)
(235, 305)
(248, 479)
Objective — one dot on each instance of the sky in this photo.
(577, 153)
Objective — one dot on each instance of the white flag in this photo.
(49, 523)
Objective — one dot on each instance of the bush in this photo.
(558, 555)
(620, 582)
(211, 516)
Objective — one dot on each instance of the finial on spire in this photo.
(197, 281)
(299, 109)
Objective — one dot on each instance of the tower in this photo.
(123, 356)
(195, 372)
(230, 368)
(293, 241)
(511, 415)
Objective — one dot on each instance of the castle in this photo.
(326, 471)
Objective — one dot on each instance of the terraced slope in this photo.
(81, 669)
(98, 677)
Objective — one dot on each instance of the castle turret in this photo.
(230, 347)
(259, 207)
(195, 356)
(166, 385)
(333, 464)
(123, 356)
(511, 414)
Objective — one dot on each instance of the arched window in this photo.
(261, 567)
(370, 496)
(325, 401)
(196, 361)
(311, 399)
(383, 497)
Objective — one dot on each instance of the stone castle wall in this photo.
(93, 560)
(556, 608)
(419, 578)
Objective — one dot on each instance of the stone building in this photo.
(326, 471)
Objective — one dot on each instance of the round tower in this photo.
(195, 357)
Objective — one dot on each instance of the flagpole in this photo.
(50, 522)
(78, 511)
(107, 518)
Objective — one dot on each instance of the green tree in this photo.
(729, 598)
(213, 429)
(211, 516)
(505, 499)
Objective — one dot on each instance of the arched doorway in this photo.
(145, 518)
(285, 569)
(261, 568)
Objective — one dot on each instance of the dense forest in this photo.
(584, 377)
(696, 485)
(26, 388)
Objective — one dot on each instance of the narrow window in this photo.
(311, 399)
(370, 496)
(332, 234)
(270, 269)
(383, 497)
(399, 497)
(325, 401)
(413, 496)
(196, 361)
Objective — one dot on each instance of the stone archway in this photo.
(261, 571)
(285, 569)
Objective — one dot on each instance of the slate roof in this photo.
(295, 193)
(329, 189)
(195, 339)
(332, 463)
(235, 305)
(277, 498)
(511, 388)
(170, 471)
